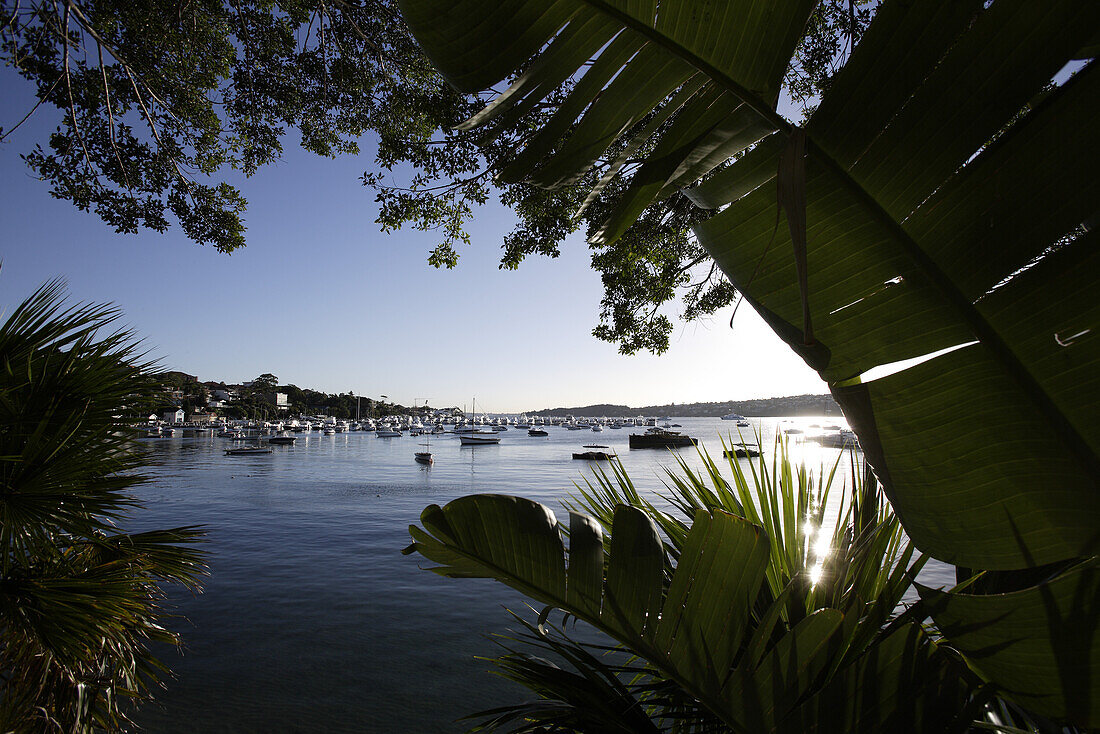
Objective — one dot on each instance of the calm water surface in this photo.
(312, 620)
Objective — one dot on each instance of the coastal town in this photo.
(187, 401)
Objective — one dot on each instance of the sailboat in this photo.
(425, 457)
(478, 437)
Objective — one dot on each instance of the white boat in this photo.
(733, 417)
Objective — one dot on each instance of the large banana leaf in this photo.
(997, 633)
(943, 209)
(694, 622)
(988, 454)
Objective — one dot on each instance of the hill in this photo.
(790, 405)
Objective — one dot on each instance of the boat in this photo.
(741, 451)
(660, 438)
(594, 456)
(247, 451)
(597, 428)
(479, 438)
(742, 424)
(282, 440)
(387, 433)
(842, 440)
(793, 431)
(733, 417)
(537, 432)
(424, 457)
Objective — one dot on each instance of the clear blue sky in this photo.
(322, 299)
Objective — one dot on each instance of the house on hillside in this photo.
(174, 416)
(277, 399)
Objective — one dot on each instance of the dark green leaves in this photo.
(79, 601)
(1041, 644)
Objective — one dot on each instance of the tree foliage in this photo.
(156, 100)
(80, 599)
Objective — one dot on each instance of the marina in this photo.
(310, 605)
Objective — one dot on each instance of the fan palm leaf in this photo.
(81, 601)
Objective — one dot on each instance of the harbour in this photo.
(312, 619)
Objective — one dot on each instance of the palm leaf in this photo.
(694, 623)
(80, 602)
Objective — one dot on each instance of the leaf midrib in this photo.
(969, 314)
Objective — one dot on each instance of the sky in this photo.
(324, 300)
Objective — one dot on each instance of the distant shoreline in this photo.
(793, 405)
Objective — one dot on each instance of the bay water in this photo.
(311, 618)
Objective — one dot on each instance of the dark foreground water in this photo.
(312, 620)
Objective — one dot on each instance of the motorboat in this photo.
(659, 438)
(387, 433)
(248, 451)
(741, 451)
(282, 440)
(733, 417)
(537, 432)
(594, 455)
(841, 440)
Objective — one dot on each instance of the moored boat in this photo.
(478, 439)
(248, 451)
(654, 439)
(594, 455)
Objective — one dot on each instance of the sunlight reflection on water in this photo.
(313, 620)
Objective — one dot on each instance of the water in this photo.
(312, 620)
